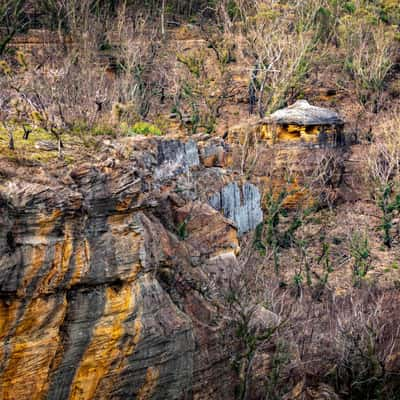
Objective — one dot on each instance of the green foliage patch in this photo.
(144, 128)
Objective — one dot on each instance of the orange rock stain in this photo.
(147, 390)
(32, 349)
(45, 226)
(105, 347)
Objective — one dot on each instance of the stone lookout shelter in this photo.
(290, 141)
(302, 122)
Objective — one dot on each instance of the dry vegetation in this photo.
(104, 65)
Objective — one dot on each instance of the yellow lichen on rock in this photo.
(266, 132)
(8, 315)
(296, 192)
(32, 346)
(289, 133)
(105, 347)
(63, 252)
(46, 224)
(147, 390)
(82, 262)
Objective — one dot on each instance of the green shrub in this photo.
(389, 203)
(83, 129)
(193, 63)
(144, 128)
(361, 254)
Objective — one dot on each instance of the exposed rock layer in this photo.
(105, 275)
(108, 273)
(242, 206)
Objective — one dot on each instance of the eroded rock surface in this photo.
(242, 205)
(105, 276)
(112, 274)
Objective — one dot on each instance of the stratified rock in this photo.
(297, 150)
(110, 277)
(305, 124)
(299, 125)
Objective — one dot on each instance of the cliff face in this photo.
(106, 275)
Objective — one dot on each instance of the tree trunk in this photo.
(60, 147)
(163, 18)
(11, 144)
(261, 110)
(27, 131)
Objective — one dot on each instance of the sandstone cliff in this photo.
(115, 274)
(106, 273)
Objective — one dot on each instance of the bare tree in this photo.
(12, 21)
(383, 163)
(279, 56)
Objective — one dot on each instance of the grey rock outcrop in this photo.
(176, 157)
(262, 320)
(304, 114)
(242, 206)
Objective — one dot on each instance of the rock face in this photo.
(175, 158)
(240, 205)
(105, 276)
(112, 274)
